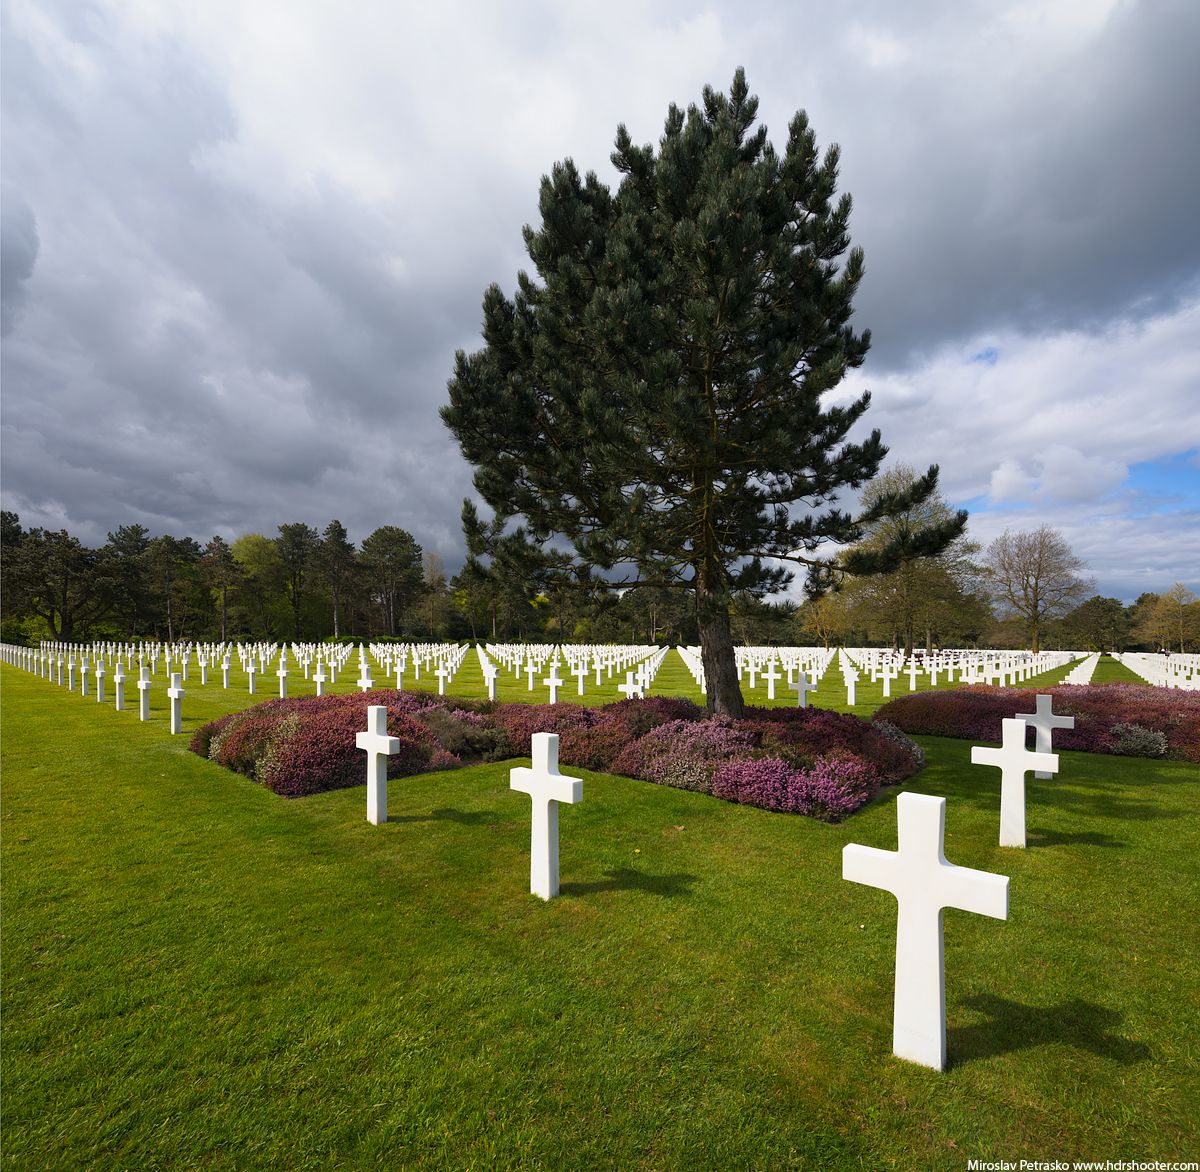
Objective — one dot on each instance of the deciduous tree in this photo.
(1035, 576)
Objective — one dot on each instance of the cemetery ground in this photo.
(198, 973)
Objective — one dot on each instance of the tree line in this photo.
(305, 584)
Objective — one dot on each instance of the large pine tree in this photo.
(655, 396)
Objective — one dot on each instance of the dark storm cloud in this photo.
(18, 254)
(1005, 175)
(199, 360)
(241, 243)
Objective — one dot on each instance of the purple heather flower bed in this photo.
(1133, 720)
(798, 760)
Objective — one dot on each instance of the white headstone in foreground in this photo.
(547, 787)
(1014, 761)
(378, 746)
(175, 693)
(1045, 722)
(923, 883)
(119, 687)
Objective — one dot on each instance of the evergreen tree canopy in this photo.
(655, 395)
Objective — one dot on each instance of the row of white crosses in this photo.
(802, 667)
(396, 659)
(540, 664)
(42, 663)
(1082, 673)
(541, 780)
(924, 883)
(1164, 671)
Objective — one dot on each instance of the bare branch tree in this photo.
(1036, 576)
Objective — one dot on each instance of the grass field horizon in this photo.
(199, 973)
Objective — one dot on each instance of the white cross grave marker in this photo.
(546, 787)
(319, 678)
(176, 694)
(1014, 761)
(553, 682)
(629, 688)
(99, 681)
(802, 688)
(282, 673)
(119, 686)
(1045, 722)
(143, 693)
(377, 745)
(923, 883)
(225, 672)
(489, 675)
(443, 674)
(771, 675)
(251, 669)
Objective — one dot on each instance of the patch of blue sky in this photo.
(1171, 484)
(988, 356)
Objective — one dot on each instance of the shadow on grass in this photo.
(1013, 1026)
(1100, 801)
(626, 879)
(462, 817)
(1073, 838)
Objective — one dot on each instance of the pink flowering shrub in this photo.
(832, 788)
(321, 754)
(801, 735)
(1103, 714)
(686, 753)
(805, 761)
(520, 721)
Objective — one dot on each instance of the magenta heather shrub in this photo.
(321, 753)
(597, 747)
(686, 753)
(807, 761)
(975, 714)
(801, 735)
(520, 721)
(834, 787)
(638, 717)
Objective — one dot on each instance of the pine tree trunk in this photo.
(716, 654)
(336, 625)
(224, 614)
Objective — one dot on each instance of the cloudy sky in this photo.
(242, 241)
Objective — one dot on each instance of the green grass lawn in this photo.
(197, 973)
(1113, 671)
